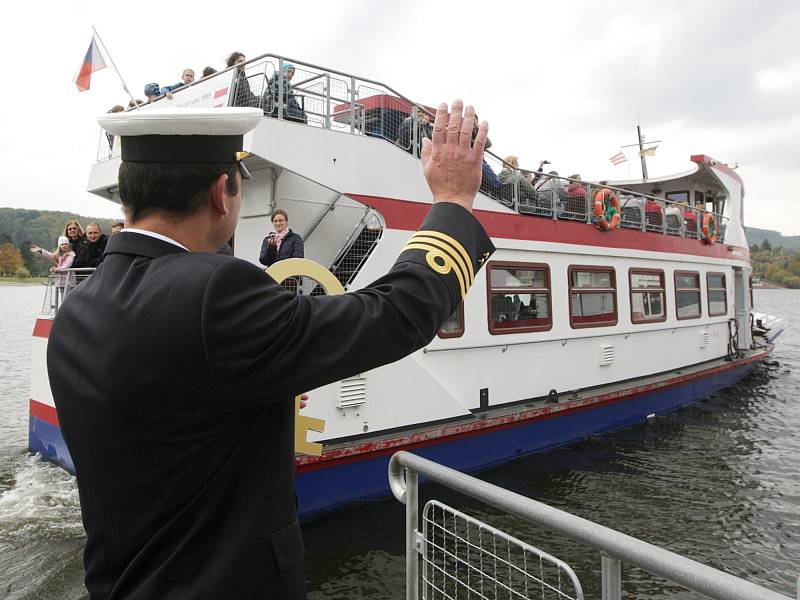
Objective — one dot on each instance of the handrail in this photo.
(419, 106)
(614, 545)
(324, 72)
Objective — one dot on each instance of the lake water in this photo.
(718, 481)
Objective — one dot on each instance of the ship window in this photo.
(593, 297)
(518, 296)
(648, 297)
(752, 303)
(717, 294)
(687, 294)
(453, 325)
(677, 196)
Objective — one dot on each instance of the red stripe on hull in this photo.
(43, 412)
(408, 216)
(452, 432)
(42, 328)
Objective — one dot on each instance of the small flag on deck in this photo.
(649, 151)
(618, 158)
(93, 61)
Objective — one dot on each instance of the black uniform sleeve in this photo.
(262, 343)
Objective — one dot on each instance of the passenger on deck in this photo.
(242, 96)
(550, 181)
(537, 175)
(63, 257)
(135, 103)
(92, 252)
(74, 233)
(574, 188)
(114, 109)
(187, 77)
(117, 227)
(291, 107)
(490, 184)
(152, 93)
(475, 132)
(209, 71)
(405, 133)
(281, 244)
(511, 175)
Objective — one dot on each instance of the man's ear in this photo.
(218, 194)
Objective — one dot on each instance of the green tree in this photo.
(766, 246)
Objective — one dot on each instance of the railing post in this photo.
(327, 100)
(352, 105)
(280, 88)
(612, 577)
(412, 521)
(589, 204)
(414, 131)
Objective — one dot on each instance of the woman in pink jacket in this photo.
(62, 258)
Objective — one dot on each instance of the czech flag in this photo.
(93, 61)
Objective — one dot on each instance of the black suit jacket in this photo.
(173, 375)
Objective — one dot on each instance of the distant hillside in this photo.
(41, 227)
(757, 236)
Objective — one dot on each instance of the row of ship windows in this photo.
(519, 299)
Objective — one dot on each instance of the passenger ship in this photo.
(578, 324)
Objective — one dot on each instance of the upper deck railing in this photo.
(331, 99)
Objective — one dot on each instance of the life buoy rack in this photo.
(709, 229)
(606, 209)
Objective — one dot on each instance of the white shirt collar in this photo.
(158, 236)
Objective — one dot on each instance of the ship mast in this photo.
(641, 150)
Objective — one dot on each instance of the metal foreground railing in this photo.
(452, 573)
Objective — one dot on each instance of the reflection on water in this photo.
(718, 482)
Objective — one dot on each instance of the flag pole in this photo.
(111, 60)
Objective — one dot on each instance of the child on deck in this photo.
(63, 258)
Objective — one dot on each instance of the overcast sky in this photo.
(557, 80)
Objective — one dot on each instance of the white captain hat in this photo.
(183, 135)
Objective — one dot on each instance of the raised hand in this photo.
(450, 160)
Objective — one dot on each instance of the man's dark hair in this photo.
(169, 188)
(232, 58)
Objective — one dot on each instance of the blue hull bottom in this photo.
(352, 479)
(321, 490)
(45, 439)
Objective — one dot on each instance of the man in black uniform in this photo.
(174, 368)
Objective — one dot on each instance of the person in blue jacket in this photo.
(282, 243)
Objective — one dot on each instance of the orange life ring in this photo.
(709, 229)
(606, 209)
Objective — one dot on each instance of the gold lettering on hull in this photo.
(302, 267)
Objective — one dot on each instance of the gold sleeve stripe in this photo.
(440, 261)
(451, 247)
(469, 272)
(443, 247)
(461, 268)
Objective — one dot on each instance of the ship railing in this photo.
(331, 99)
(470, 565)
(59, 285)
